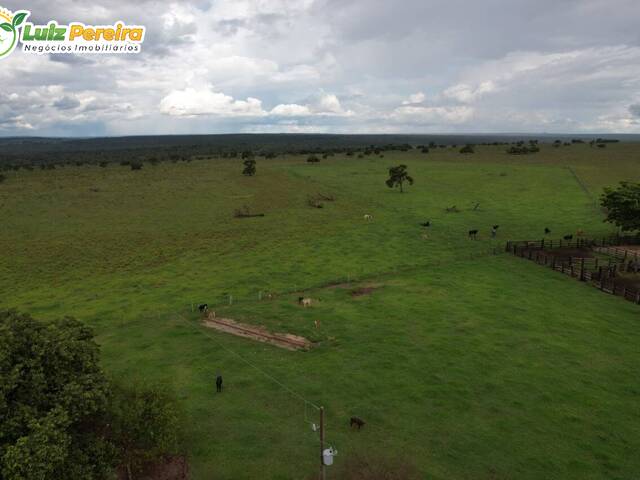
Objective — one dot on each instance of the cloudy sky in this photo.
(345, 66)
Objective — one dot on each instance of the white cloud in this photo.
(415, 98)
(466, 94)
(290, 110)
(192, 102)
(429, 115)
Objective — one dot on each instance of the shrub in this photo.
(467, 149)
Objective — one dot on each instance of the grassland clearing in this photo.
(473, 364)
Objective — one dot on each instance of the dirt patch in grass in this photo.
(570, 252)
(173, 467)
(260, 334)
(363, 290)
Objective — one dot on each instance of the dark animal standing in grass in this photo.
(358, 422)
(473, 234)
(568, 237)
(547, 231)
(219, 383)
(203, 307)
(426, 224)
(494, 231)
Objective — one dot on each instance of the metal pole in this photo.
(322, 472)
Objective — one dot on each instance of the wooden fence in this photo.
(620, 253)
(596, 271)
(611, 241)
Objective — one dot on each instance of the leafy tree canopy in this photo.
(249, 167)
(623, 205)
(397, 176)
(51, 388)
(61, 418)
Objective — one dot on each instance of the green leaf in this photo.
(19, 18)
(6, 27)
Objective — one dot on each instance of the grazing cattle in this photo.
(494, 231)
(358, 422)
(473, 234)
(219, 383)
(580, 233)
(317, 323)
(203, 307)
(305, 302)
(568, 237)
(547, 231)
(426, 224)
(368, 217)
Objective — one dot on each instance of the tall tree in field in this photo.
(397, 176)
(249, 167)
(623, 205)
(52, 395)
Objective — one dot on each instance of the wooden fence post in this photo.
(582, 270)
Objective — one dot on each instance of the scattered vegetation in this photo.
(398, 176)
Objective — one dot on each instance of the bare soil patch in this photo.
(362, 291)
(260, 334)
(571, 252)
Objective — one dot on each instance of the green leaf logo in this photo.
(19, 18)
(8, 42)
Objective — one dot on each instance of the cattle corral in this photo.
(578, 259)
(448, 362)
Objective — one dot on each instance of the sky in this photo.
(334, 66)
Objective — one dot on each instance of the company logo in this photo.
(9, 29)
(73, 38)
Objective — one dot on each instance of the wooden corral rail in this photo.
(612, 241)
(598, 272)
(620, 253)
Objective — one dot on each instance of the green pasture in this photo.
(471, 363)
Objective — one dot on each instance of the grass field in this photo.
(473, 364)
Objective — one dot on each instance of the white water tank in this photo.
(328, 454)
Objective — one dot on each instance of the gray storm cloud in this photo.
(414, 66)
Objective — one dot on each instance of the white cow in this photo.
(368, 217)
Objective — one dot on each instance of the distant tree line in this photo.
(136, 152)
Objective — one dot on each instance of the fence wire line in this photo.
(271, 377)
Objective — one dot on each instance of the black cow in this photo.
(219, 384)
(568, 237)
(203, 307)
(494, 231)
(426, 224)
(473, 234)
(547, 231)
(358, 422)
